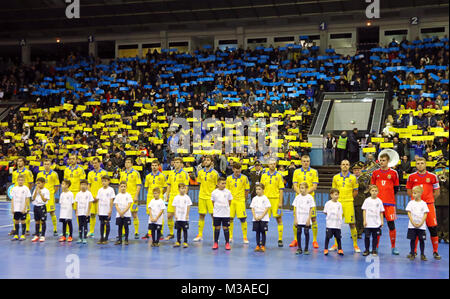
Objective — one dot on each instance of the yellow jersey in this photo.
(95, 180)
(208, 182)
(345, 185)
(310, 176)
(273, 183)
(29, 177)
(51, 180)
(176, 178)
(133, 179)
(74, 175)
(155, 181)
(238, 186)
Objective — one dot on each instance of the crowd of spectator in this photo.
(125, 108)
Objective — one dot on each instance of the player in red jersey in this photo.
(430, 185)
(386, 179)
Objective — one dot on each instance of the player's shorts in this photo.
(20, 216)
(154, 226)
(104, 218)
(182, 224)
(389, 213)
(333, 232)
(349, 212)
(134, 208)
(221, 221)
(40, 213)
(205, 206)
(431, 217)
(94, 208)
(123, 221)
(62, 220)
(371, 231)
(274, 210)
(170, 208)
(414, 233)
(50, 204)
(260, 226)
(237, 209)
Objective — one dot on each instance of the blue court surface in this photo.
(138, 260)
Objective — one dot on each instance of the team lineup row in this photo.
(90, 200)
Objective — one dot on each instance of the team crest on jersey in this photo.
(389, 176)
(428, 180)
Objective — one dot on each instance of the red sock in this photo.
(378, 241)
(435, 243)
(415, 246)
(392, 234)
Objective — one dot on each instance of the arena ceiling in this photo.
(38, 18)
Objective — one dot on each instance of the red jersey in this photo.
(385, 180)
(428, 181)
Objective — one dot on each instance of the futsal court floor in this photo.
(52, 259)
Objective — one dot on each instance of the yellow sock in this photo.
(92, 224)
(170, 224)
(27, 221)
(354, 233)
(244, 229)
(136, 225)
(335, 243)
(295, 232)
(314, 229)
(54, 222)
(231, 229)
(280, 231)
(201, 224)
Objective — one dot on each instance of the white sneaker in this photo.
(231, 240)
(42, 239)
(245, 241)
(198, 239)
(35, 239)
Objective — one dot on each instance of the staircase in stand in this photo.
(326, 174)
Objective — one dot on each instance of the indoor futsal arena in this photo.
(224, 139)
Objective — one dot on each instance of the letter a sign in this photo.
(73, 9)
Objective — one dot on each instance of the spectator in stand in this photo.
(430, 121)
(405, 168)
(329, 145)
(353, 146)
(419, 149)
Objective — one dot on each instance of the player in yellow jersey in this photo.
(155, 179)
(239, 186)
(52, 184)
(134, 185)
(273, 189)
(311, 177)
(29, 182)
(176, 176)
(95, 183)
(347, 184)
(74, 173)
(207, 178)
